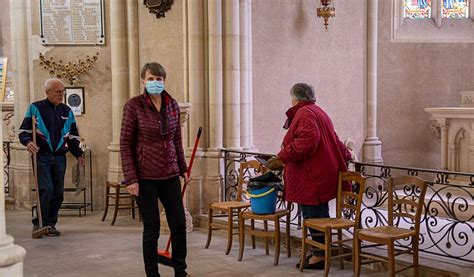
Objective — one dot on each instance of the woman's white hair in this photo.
(303, 92)
(49, 83)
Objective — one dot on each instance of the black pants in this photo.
(169, 193)
(51, 170)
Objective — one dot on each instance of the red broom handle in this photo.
(188, 173)
(196, 143)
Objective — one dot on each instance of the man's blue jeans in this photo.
(317, 211)
(51, 170)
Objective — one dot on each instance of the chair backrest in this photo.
(406, 196)
(348, 203)
(244, 169)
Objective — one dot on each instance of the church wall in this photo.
(290, 46)
(95, 125)
(412, 77)
(161, 40)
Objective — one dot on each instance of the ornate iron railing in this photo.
(447, 223)
(6, 167)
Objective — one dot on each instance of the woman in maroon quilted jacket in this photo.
(152, 161)
(312, 155)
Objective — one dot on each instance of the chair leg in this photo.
(117, 203)
(287, 236)
(391, 258)
(356, 254)
(241, 236)
(341, 250)
(107, 191)
(327, 250)
(230, 230)
(265, 228)
(277, 241)
(252, 227)
(415, 243)
(304, 233)
(209, 227)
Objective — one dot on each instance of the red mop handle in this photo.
(188, 173)
(196, 143)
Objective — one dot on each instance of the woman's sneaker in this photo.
(53, 232)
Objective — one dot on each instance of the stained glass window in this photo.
(417, 9)
(455, 9)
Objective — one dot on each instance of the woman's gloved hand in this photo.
(275, 164)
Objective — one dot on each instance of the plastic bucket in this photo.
(263, 200)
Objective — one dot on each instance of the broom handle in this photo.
(188, 173)
(35, 175)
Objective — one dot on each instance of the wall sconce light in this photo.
(326, 10)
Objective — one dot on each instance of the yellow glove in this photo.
(275, 164)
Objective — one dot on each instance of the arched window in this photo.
(432, 21)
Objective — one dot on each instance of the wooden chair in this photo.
(401, 208)
(231, 209)
(117, 195)
(275, 234)
(348, 203)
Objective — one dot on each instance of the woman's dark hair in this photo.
(154, 68)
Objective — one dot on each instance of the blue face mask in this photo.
(154, 87)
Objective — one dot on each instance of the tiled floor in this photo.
(90, 247)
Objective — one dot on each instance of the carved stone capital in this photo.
(435, 128)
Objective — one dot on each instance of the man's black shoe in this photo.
(35, 227)
(53, 232)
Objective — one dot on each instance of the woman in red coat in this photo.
(152, 161)
(313, 156)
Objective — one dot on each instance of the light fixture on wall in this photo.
(326, 10)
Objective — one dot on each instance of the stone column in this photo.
(21, 174)
(196, 72)
(120, 76)
(232, 123)
(219, 62)
(245, 76)
(444, 143)
(215, 75)
(133, 49)
(372, 144)
(11, 255)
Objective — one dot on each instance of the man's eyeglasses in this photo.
(57, 92)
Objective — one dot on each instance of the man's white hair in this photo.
(48, 84)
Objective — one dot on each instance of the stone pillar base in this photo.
(11, 257)
(114, 172)
(373, 150)
(21, 178)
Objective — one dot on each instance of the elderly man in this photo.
(313, 156)
(57, 134)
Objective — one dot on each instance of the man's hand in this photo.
(32, 148)
(133, 189)
(275, 164)
(80, 161)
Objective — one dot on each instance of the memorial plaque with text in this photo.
(72, 22)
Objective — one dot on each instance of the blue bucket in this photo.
(263, 200)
